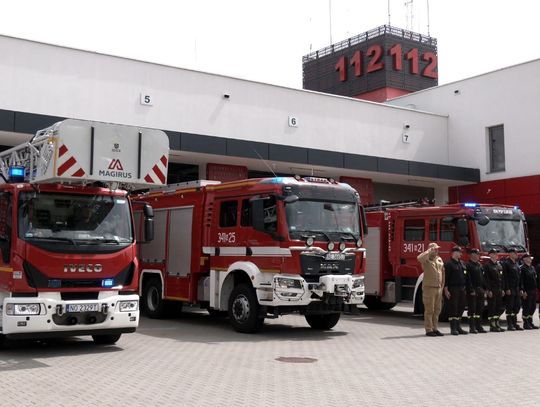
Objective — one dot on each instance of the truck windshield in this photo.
(502, 234)
(74, 218)
(324, 217)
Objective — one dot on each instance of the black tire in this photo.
(374, 303)
(3, 341)
(418, 302)
(106, 339)
(152, 304)
(244, 309)
(324, 321)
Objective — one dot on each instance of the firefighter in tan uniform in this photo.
(433, 284)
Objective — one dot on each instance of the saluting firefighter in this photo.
(528, 287)
(493, 275)
(475, 292)
(432, 285)
(454, 290)
(511, 275)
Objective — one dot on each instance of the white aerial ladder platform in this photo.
(81, 152)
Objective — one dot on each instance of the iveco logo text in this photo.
(116, 148)
(83, 268)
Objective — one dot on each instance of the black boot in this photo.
(501, 329)
(459, 329)
(472, 326)
(479, 328)
(510, 323)
(493, 325)
(518, 328)
(526, 323)
(453, 327)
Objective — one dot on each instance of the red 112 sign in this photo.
(374, 56)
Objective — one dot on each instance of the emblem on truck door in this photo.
(83, 268)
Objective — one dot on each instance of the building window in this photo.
(496, 148)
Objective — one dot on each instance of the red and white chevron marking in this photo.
(67, 164)
(158, 173)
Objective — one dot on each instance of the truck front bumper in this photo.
(47, 315)
(288, 290)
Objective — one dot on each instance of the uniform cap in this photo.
(433, 246)
(474, 251)
(526, 255)
(456, 249)
(491, 251)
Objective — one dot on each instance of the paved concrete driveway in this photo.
(373, 359)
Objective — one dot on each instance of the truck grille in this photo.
(315, 265)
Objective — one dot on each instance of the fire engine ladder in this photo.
(383, 205)
(34, 155)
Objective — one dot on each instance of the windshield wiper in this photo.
(99, 240)
(349, 235)
(53, 239)
(518, 246)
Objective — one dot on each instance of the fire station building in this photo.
(474, 139)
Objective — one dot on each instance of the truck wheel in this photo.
(106, 339)
(244, 309)
(324, 321)
(375, 303)
(152, 304)
(418, 303)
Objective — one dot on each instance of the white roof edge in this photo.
(467, 79)
(229, 77)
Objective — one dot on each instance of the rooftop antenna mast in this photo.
(409, 15)
(330, 18)
(427, 3)
(389, 13)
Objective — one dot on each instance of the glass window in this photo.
(433, 230)
(245, 216)
(414, 229)
(496, 148)
(323, 217)
(270, 214)
(448, 230)
(228, 213)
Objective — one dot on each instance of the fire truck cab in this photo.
(256, 249)
(399, 232)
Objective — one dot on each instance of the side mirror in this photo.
(148, 212)
(291, 199)
(483, 220)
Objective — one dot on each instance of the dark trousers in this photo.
(456, 303)
(513, 303)
(529, 304)
(475, 303)
(495, 304)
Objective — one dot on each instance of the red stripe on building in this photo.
(79, 173)
(159, 174)
(66, 166)
(149, 179)
(164, 160)
(63, 149)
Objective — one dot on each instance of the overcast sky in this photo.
(265, 40)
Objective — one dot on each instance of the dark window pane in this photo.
(245, 217)
(432, 230)
(228, 213)
(448, 230)
(414, 229)
(496, 148)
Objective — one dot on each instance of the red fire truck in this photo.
(68, 257)
(399, 232)
(256, 249)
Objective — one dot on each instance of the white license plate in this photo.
(335, 256)
(82, 307)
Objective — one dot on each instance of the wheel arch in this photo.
(240, 272)
(147, 274)
(418, 305)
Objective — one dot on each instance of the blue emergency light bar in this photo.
(470, 205)
(16, 173)
(108, 282)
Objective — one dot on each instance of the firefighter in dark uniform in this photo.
(528, 287)
(511, 276)
(475, 292)
(454, 290)
(494, 287)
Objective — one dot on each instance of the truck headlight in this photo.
(358, 282)
(288, 283)
(128, 306)
(23, 309)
